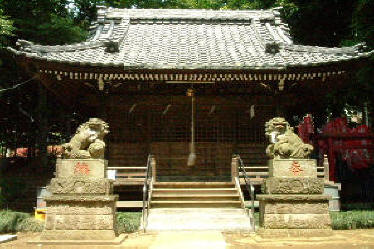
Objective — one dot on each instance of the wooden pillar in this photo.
(235, 128)
(331, 157)
(154, 170)
(234, 168)
(102, 108)
(365, 114)
(67, 120)
(326, 168)
(30, 141)
(279, 107)
(149, 129)
(102, 113)
(42, 114)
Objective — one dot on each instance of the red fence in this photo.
(25, 152)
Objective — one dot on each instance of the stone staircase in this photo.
(197, 206)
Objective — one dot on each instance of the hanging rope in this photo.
(192, 156)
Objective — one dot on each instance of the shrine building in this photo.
(166, 78)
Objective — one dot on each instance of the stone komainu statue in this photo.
(88, 141)
(284, 142)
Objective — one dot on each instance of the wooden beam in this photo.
(61, 94)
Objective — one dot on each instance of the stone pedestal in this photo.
(293, 203)
(82, 205)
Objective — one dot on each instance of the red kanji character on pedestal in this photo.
(81, 169)
(296, 168)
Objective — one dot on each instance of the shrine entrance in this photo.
(162, 126)
(212, 142)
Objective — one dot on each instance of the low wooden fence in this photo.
(130, 175)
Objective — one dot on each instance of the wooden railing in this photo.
(130, 174)
(257, 174)
(136, 176)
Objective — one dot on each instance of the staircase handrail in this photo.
(249, 186)
(146, 190)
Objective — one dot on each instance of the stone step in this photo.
(195, 204)
(195, 198)
(185, 219)
(194, 191)
(214, 216)
(191, 211)
(197, 194)
(193, 185)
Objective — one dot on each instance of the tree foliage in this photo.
(363, 31)
(6, 29)
(44, 21)
(198, 4)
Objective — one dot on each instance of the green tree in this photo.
(6, 29)
(50, 33)
(363, 22)
(85, 11)
(44, 21)
(320, 22)
(363, 31)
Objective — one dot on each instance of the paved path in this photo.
(189, 240)
(198, 219)
(353, 239)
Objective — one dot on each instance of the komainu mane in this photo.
(284, 142)
(88, 141)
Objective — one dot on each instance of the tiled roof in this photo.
(190, 39)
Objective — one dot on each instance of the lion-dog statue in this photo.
(88, 141)
(284, 143)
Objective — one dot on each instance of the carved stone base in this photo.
(293, 233)
(81, 167)
(292, 203)
(296, 221)
(82, 206)
(293, 168)
(72, 217)
(294, 185)
(81, 185)
(295, 214)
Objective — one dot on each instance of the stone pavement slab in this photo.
(198, 219)
(189, 240)
(7, 237)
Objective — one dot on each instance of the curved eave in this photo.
(52, 64)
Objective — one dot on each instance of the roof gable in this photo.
(189, 39)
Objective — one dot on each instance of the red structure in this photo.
(306, 129)
(353, 145)
(55, 150)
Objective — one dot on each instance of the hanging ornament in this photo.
(192, 156)
(190, 92)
